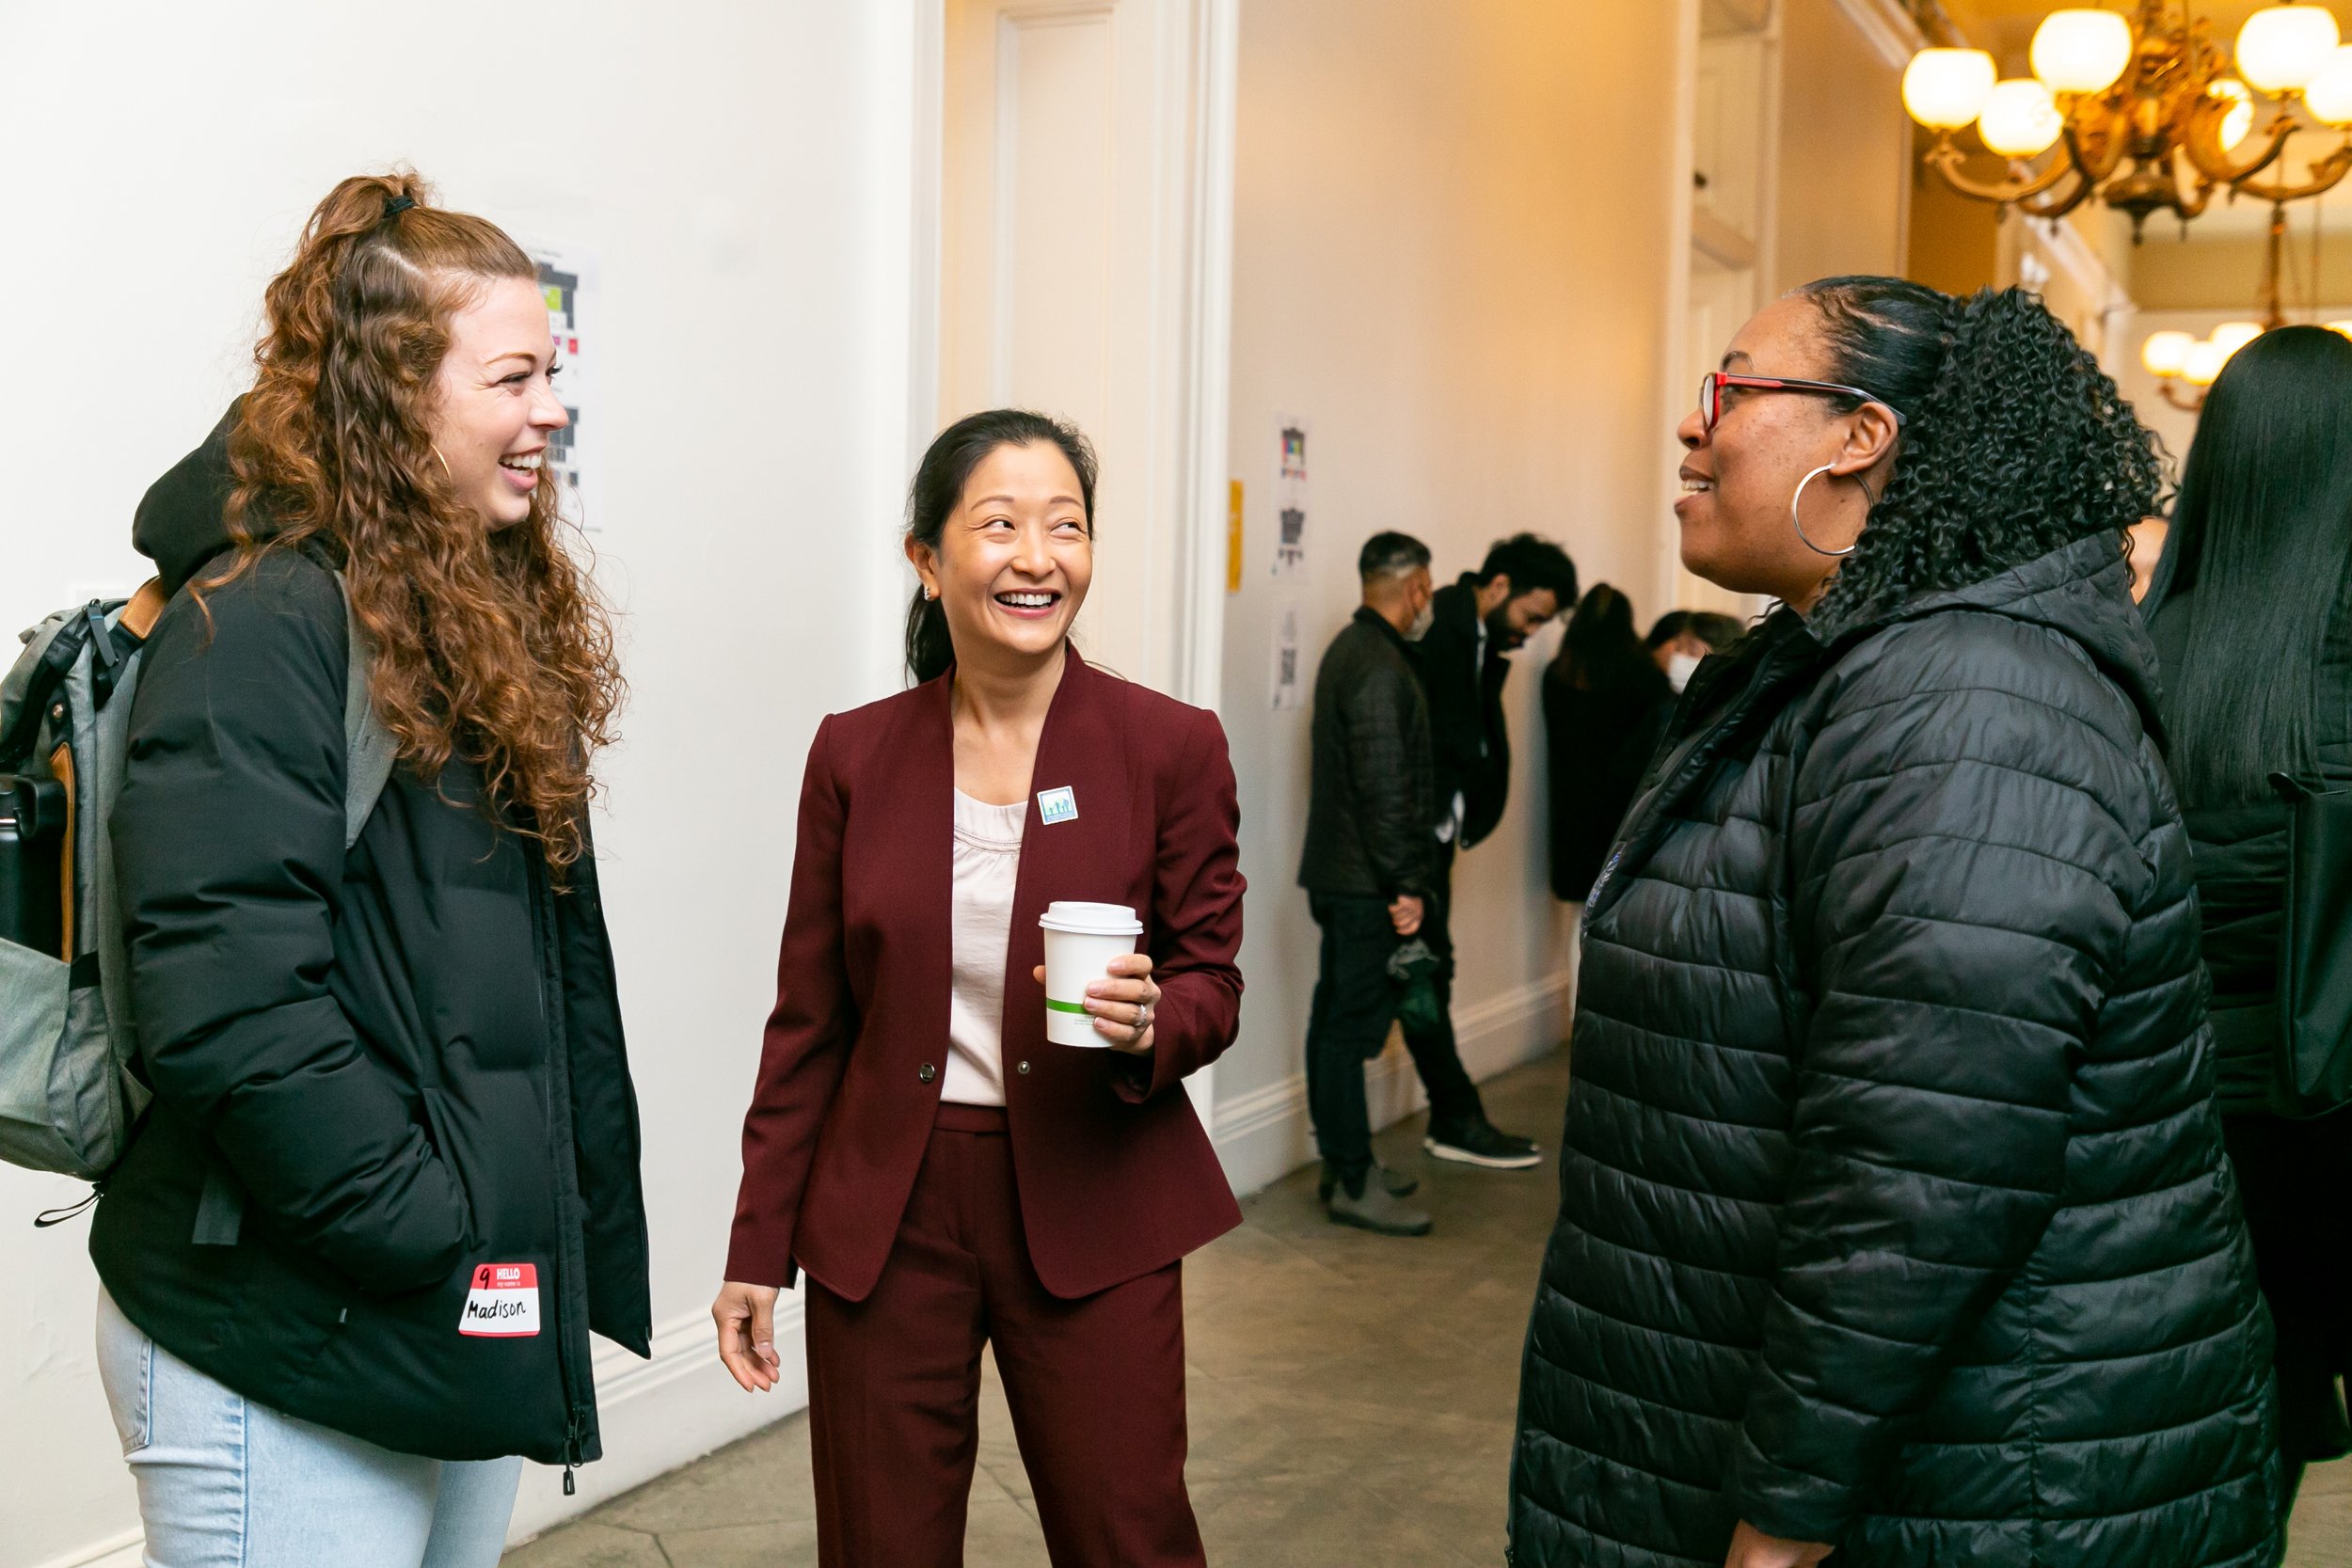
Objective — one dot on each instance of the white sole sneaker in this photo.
(1461, 1156)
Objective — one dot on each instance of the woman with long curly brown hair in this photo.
(389, 1181)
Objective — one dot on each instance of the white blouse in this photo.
(987, 864)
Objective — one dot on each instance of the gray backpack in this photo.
(68, 1097)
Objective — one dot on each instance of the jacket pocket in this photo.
(440, 1126)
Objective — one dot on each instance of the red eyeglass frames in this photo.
(1711, 387)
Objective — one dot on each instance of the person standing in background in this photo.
(1369, 868)
(1601, 694)
(1682, 638)
(2251, 611)
(1477, 623)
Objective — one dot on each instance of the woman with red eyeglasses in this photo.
(1894, 1220)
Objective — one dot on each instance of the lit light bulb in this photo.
(2204, 365)
(2019, 119)
(2081, 51)
(2231, 336)
(2329, 96)
(2281, 47)
(2240, 119)
(2341, 328)
(2166, 352)
(1942, 89)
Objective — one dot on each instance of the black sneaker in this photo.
(1479, 1142)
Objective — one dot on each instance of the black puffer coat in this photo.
(375, 1071)
(1893, 1205)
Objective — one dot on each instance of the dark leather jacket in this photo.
(1372, 808)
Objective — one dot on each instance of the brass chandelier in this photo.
(2147, 113)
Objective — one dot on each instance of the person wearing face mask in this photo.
(1370, 868)
(1681, 640)
(947, 1176)
(1475, 624)
(389, 1182)
(1600, 692)
(1894, 1220)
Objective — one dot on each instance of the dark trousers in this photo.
(1346, 1025)
(1452, 1097)
(1096, 1385)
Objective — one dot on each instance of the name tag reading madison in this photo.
(503, 1303)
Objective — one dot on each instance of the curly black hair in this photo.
(2014, 443)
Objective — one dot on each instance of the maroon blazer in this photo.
(1117, 1178)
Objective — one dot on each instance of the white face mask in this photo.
(1423, 622)
(1679, 668)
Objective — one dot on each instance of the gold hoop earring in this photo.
(444, 463)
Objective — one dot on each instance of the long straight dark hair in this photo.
(2262, 532)
(1601, 644)
(938, 487)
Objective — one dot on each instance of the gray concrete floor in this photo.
(1351, 1399)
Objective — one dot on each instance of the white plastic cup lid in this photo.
(1093, 920)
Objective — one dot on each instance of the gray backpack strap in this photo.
(368, 746)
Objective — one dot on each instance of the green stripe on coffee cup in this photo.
(1082, 940)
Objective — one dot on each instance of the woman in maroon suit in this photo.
(947, 1176)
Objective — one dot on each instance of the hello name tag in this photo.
(1056, 805)
(503, 1303)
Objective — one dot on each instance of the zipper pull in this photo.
(572, 1431)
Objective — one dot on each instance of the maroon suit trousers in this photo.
(1096, 1385)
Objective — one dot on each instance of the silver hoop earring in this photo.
(1799, 523)
(929, 594)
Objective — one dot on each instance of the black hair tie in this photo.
(395, 205)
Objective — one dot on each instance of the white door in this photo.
(1085, 272)
(1076, 181)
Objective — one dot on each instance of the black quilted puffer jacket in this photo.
(1894, 1211)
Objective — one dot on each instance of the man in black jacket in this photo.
(1369, 867)
(1478, 622)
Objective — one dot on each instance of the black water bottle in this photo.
(32, 862)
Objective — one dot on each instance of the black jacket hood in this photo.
(181, 523)
(2081, 590)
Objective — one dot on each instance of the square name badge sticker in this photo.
(1056, 805)
(503, 1303)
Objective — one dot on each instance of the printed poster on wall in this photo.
(1288, 691)
(1290, 496)
(568, 279)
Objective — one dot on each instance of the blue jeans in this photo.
(225, 1482)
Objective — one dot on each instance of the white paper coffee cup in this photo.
(1081, 939)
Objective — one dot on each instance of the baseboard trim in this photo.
(1266, 1133)
(664, 1412)
(116, 1551)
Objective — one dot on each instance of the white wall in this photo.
(1451, 255)
(743, 172)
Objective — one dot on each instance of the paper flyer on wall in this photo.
(1290, 496)
(1288, 691)
(568, 276)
